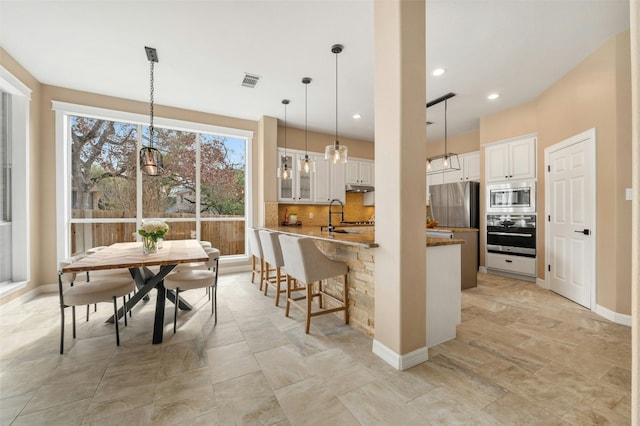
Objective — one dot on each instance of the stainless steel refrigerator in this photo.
(456, 205)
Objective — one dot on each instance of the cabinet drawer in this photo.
(514, 264)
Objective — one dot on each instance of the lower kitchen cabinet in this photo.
(514, 264)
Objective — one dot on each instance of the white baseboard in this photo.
(616, 317)
(482, 269)
(400, 362)
(542, 283)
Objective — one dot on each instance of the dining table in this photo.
(131, 256)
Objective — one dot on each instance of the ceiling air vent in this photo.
(250, 80)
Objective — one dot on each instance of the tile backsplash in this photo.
(354, 210)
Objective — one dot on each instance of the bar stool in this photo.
(273, 261)
(307, 264)
(256, 255)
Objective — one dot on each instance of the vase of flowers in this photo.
(152, 231)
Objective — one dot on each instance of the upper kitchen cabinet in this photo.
(360, 172)
(513, 160)
(469, 169)
(329, 180)
(298, 189)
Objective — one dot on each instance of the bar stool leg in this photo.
(308, 313)
(175, 310)
(115, 320)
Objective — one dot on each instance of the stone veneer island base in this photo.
(358, 252)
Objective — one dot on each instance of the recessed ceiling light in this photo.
(356, 116)
(493, 96)
(438, 72)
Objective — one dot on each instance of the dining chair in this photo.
(307, 265)
(273, 261)
(189, 279)
(255, 248)
(96, 291)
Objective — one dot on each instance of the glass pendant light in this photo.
(450, 161)
(284, 171)
(150, 158)
(336, 152)
(307, 165)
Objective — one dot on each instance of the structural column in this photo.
(265, 146)
(400, 152)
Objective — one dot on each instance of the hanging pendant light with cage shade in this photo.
(335, 152)
(150, 158)
(307, 165)
(284, 170)
(450, 161)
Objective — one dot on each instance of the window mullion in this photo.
(198, 159)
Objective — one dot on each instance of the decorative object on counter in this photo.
(293, 218)
(336, 152)
(431, 223)
(450, 161)
(150, 158)
(306, 164)
(152, 231)
(284, 170)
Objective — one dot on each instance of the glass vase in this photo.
(149, 245)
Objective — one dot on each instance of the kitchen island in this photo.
(356, 247)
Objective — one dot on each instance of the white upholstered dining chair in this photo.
(95, 291)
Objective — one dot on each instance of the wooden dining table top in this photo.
(129, 255)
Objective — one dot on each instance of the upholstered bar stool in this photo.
(190, 279)
(255, 247)
(273, 262)
(307, 264)
(96, 291)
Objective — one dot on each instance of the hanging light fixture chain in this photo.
(445, 128)
(151, 106)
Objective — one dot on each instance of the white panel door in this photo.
(571, 219)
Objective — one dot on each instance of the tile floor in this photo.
(523, 355)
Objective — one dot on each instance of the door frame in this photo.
(588, 136)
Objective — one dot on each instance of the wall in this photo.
(461, 143)
(316, 142)
(593, 94)
(36, 252)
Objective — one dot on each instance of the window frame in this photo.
(63, 159)
(20, 183)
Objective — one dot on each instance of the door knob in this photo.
(584, 231)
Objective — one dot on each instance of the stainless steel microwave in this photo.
(511, 197)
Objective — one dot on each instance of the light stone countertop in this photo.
(363, 238)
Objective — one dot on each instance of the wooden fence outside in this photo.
(228, 236)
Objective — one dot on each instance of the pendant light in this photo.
(450, 161)
(284, 171)
(336, 152)
(307, 165)
(150, 158)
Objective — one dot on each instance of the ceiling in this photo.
(517, 48)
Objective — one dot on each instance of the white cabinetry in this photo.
(329, 180)
(298, 189)
(513, 160)
(514, 264)
(469, 169)
(360, 172)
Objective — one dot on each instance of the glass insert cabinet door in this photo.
(285, 186)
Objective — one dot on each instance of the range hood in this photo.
(359, 188)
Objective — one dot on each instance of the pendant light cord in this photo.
(305, 119)
(151, 108)
(445, 128)
(336, 97)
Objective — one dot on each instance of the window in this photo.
(202, 193)
(14, 187)
(5, 188)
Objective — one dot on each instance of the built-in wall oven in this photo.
(513, 234)
(511, 197)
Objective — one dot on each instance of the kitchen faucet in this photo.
(330, 227)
